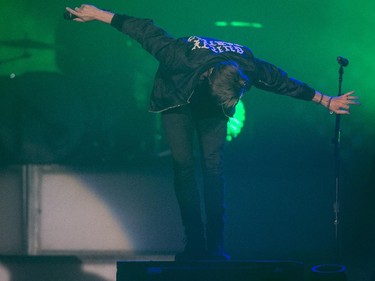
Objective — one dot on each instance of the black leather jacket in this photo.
(183, 60)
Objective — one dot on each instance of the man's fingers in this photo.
(73, 12)
(351, 99)
(349, 93)
(341, 111)
(69, 10)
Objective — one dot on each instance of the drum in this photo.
(42, 118)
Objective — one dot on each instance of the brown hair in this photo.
(227, 83)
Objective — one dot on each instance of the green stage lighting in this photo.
(238, 24)
(221, 23)
(236, 122)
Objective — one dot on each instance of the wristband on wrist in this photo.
(321, 98)
(329, 103)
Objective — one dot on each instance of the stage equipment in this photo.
(27, 43)
(328, 272)
(260, 270)
(337, 163)
(42, 118)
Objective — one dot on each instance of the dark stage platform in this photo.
(268, 270)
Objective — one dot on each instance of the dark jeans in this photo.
(205, 120)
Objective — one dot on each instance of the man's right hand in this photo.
(87, 13)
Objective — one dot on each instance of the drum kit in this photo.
(41, 117)
(26, 44)
(52, 118)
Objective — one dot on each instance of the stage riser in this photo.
(57, 268)
(210, 271)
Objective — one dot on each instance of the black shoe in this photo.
(218, 255)
(192, 252)
(190, 256)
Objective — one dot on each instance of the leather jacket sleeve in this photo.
(152, 38)
(270, 78)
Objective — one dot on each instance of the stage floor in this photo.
(106, 268)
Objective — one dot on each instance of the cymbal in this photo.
(26, 44)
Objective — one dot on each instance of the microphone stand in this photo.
(337, 163)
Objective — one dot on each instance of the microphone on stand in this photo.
(342, 61)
